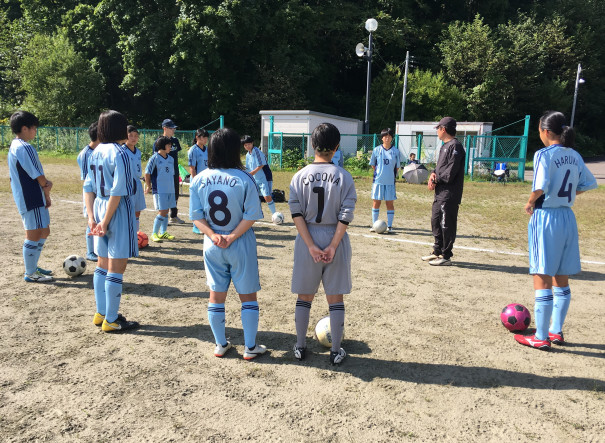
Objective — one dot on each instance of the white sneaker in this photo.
(176, 220)
(389, 229)
(430, 257)
(37, 277)
(440, 261)
(221, 350)
(336, 358)
(250, 354)
(300, 353)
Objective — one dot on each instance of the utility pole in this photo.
(405, 83)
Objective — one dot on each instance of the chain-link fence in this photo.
(66, 140)
(486, 151)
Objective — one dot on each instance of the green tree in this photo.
(60, 85)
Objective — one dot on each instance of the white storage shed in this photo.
(294, 123)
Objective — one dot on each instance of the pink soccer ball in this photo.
(515, 317)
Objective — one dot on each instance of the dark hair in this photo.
(325, 137)
(23, 118)
(247, 139)
(451, 130)
(224, 150)
(387, 131)
(131, 128)
(162, 142)
(200, 133)
(112, 127)
(556, 123)
(412, 153)
(92, 131)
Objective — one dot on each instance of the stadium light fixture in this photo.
(579, 81)
(362, 51)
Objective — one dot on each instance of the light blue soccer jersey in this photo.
(560, 172)
(256, 158)
(162, 173)
(386, 161)
(135, 162)
(110, 172)
(198, 158)
(24, 168)
(83, 160)
(338, 158)
(224, 197)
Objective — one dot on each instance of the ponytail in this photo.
(556, 123)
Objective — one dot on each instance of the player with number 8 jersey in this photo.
(224, 205)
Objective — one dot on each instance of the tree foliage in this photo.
(60, 85)
(192, 60)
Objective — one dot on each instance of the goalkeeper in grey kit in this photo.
(322, 202)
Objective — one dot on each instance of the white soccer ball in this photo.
(277, 218)
(323, 333)
(74, 265)
(380, 226)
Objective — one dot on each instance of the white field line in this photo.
(392, 239)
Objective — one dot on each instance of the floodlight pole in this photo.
(405, 83)
(366, 123)
(575, 95)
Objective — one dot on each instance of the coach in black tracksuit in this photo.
(447, 181)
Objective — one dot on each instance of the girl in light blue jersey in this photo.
(108, 189)
(159, 179)
(385, 161)
(554, 253)
(224, 205)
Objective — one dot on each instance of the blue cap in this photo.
(167, 123)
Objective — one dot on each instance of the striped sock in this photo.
(543, 312)
(271, 207)
(301, 320)
(390, 216)
(337, 324)
(164, 226)
(249, 317)
(216, 318)
(562, 298)
(157, 224)
(30, 256)
(98, 282)
(90, 242)
(375, 213)
(113, 295)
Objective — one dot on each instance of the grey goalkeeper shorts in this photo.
(335, 276)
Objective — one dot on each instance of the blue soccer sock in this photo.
(301, 320)
(164, 226)
(375, 213)
(138, 224)
(157, 224)
(543, 312)
(271, 205)
(216, 318)
(40, 247)
(337, 324)
(90, 242)
(390, 216)
(98, 282)
(30, 256)
(562, 298)
(113, 295)
(250, 322)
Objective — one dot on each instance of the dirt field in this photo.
(429, 359)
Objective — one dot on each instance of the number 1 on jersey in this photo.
(321, 192)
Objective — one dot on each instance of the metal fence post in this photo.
(523, 153)
(419, 143)
(222, 121)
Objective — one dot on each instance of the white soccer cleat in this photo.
(221, 350)
(250, 354)
(336, 358)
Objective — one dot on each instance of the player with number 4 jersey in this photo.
(554, 253)
(224, 205)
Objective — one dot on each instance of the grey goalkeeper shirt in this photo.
(323, 193)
